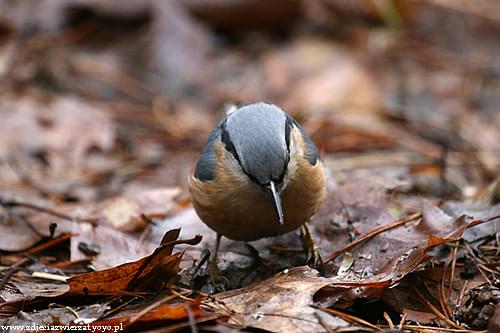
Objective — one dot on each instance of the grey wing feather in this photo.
(205, 166)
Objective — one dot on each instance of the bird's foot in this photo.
(218, 282)
(312, 251)
(210, 279)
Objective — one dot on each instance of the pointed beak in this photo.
(277, 202)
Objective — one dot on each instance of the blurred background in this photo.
(105, 105)
(106, 97)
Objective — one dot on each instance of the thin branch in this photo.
(436, 310)
(453, 267)
(372, 233)
(350, 318)
(13, 204)
(420, 328)
(442, 294)
(51, 243)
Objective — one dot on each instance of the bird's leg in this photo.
(219, 282)
(313, 256)
(213, 269)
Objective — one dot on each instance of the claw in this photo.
(217, 281)
(313, 256)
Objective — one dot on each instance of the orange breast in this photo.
(239, 210)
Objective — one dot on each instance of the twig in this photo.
(485, 277)
(51, 243)
(442, 295)
(16, 266)
(420, 328)
(322, 322)
(151, 307)
(389, 320)
(50, 276)
(12, 270)
(69, 263)
(488, 269)
(117, 308)
(453, 266)
(481, 221)
(470, 251)
(402, 321)
(462, 293)
(182, 294)
(12, 204)
(373, 233)
(70, 309)
(436, 310)
(350, 318)
(187, 291)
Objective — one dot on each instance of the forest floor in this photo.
(104, 107)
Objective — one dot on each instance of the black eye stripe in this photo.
(288, 130)
(289, 124)
(229, 145)
(226, 140)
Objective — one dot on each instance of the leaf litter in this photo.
(105, 107)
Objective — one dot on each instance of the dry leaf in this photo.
(64, 128)
(126, 276)
(279, 304)
(125, 213)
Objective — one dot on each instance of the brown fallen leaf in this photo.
(419, 316)
(117, 279)
(31, 288)
(114, 216)
(172, 312)
(483, 204)
(126, 212)
(494, 323)
(56, 315)
(286, 296)
(18, 235)
(391, 255)
(180, 45)
(403, 298)
(140, 316)
(115, 247)
(281, 303)
(65, 129)
(364, 200)
(382, 259)
(146, 273)
(306, 69)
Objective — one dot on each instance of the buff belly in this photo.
(241, 212)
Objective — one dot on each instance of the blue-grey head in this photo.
(257, 136)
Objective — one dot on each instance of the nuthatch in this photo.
(258, 176)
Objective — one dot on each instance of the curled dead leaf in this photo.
(145, 273)
(126, 213)
(280, 303)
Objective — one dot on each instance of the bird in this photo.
(259, 175)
